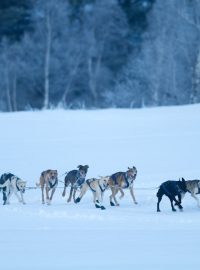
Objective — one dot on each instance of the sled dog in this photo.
(98, 187)
(10, 184)
(75, 178)
(122, 180)
(49, 182)
(172, 189)
(193, 187)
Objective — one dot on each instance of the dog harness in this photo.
(52, 185)
(80, 180)
(125, 177)
(103, 189)
(88, 181)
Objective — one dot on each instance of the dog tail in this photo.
(160, 192)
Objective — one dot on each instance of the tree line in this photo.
(98, 53)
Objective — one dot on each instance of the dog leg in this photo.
(111, 203)
(42, 189)
(94, 197)
(14, 189)
(171, 201)
(195, 197)
(74, 195)
(64, 191)
(83, 191)
(111, 196)
(70, 195)
(4, 196)
(158, 203)
(18, 197)
(114, 191)
(114, 197)
(178, 202)
(102, 195)
(122, 193)
(98, 205)
(22, 197)
(52, 193)
(172, 198)
(132, 194)
(98, 201)
(47, 195)
(6, 191)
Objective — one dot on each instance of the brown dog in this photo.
(122, 180)
(49, 181)
(75, 178)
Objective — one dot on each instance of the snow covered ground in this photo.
(163, 143)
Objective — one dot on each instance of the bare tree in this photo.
(161, 73)
(101, 39)
(51, 35)
(10, 60)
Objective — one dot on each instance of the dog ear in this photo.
(79, 166)
(183, 180)
(86, 166)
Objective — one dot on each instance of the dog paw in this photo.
(112, 204)
(77, 200)
(102, 207)
(48, 202)
(135, 202)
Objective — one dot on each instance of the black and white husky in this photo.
(10, 184)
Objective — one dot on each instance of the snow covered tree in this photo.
(161, 73)
(105, 44)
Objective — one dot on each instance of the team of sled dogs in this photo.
(117, 182)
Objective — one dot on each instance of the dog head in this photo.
(103, 181)
(132, 172)
(82, 170)
(53, 174)
(21, 184)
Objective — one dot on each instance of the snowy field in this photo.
(163, 143)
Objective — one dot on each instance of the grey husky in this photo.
(193, 187)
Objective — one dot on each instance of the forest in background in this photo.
(98, 53)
